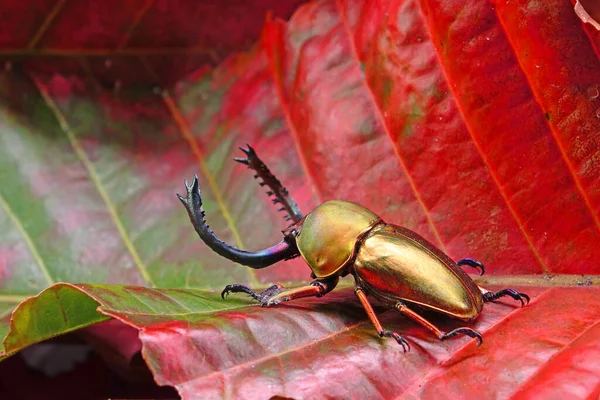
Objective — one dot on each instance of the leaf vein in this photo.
(388, 133)
(485, 160)
(288, 118)
(281, 353)
(581, 334)
(134, 24)
(28, 241)
(114, 313)
(80, 152)
(553, 131)
(39, 34)
(186, 132)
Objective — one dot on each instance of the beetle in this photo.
(390, 263)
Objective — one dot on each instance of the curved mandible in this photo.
(277, 190)
(259, 259)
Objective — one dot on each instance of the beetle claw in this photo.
(249, 151)
(472, 263)
(401, 341)
(235, 288)
(192, 201)
(244, 161)
(491, 296)
(466, 331)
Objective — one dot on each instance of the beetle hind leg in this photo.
(371, 313)
(492, 296)
(402, 308)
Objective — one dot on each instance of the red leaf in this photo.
(210, 349)
(119, 42)
(454, 129)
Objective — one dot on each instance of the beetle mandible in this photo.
(390, 263)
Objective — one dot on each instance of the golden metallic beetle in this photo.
(390, 263)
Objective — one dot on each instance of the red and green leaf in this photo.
(208, 348)
(475, 125)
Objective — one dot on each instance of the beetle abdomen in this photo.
(396, 264)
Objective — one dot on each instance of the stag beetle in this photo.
(390, 263)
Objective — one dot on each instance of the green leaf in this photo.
(64, 307)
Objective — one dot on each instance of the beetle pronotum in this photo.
(390, 263)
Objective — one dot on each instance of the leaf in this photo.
(233, 349)
(437, 115)
(137, 42)
(477, 131)
(65, 307)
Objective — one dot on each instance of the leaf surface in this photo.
(476, 129)
(208, 348)
(133, 42)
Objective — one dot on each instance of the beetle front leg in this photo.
(362, 297)
(277, 294)
(401, 307)
(492, 296)
(261, 297)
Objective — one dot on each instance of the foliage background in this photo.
(475, 125)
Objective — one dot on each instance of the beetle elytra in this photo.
(390, 263)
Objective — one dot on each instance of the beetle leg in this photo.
(401, 307)
(472, 263)
(277, 294)
(286, 249)
(491, 296)
(279, 193)
(362, 297)
(265, 294)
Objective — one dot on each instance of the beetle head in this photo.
(329, 234)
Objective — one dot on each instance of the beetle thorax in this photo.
(329, 235)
